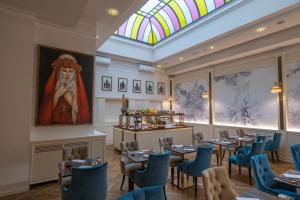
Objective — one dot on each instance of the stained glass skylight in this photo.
(158, 19)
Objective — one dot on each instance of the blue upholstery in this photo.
(264, 177)
(274, 144)
(295, 151)
(194, 168)
(202, 161)
(245, 159)
(147, 193)
(88, 183)
(247, 149)
(156, 172)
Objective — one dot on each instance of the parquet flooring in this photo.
(50, 191)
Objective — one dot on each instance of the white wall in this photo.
(16, 75)
(108, 103)
(267, 59)
(19, 36)
(69, 39)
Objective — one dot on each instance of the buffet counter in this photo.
(149, 138)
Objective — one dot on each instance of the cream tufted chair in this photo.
(128, 167)
(217, 184)
(165, 144)
(240, 132)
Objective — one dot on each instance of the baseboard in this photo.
(14, 188)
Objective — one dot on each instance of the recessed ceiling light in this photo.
(97, 36)
(260, 29)
(212, 47)
(112, 11)
(159, 66)
(180, 58)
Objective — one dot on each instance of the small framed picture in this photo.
(149, 87)
(107, 83)
(137, 86)
(122, 84)
(161, 88)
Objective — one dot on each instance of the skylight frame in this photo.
(166, 3)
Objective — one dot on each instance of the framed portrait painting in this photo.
(149, 87)
(122, 84)
(64, 87)
(137, 86)
(161, 88)
(106, 83)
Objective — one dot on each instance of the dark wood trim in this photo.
(171, 88)
(280, 95)
(210, 99)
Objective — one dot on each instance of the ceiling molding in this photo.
(273, 41)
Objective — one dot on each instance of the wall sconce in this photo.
(205, 94)
(276, 88)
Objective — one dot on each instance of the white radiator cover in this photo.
(46, 154)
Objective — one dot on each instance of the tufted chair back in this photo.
(197, 138)
(295, 151)
(156, 172)
(217, 184)
(262, 172)
(224, 134)
(78, 152)
(165, 143)
(129, 146)
(147, 193)
(88, 183)
(240, 132)
(202, 160)
(276, 141)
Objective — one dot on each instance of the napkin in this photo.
(291, 176)
(245, 198)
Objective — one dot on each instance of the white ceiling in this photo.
(247, 16)
(69, 12)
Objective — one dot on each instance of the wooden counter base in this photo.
(150, 139)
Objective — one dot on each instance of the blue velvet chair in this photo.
(156, 172)
(88, 183)
(194, 168)
(246, 149)
(295, 151)
(244, 160)
(147, 193)
(273, 145)
(264, 178)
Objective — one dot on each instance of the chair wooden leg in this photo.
(250, 177)
(277, 156)
(172, 175)
(195, 178)
(178, 177)
(272, 155)
(187, 177)
(165, 193)
(240, 169)
(129, 184)
(122, 182)
(223, 155)
(229, 169)
(217, 155)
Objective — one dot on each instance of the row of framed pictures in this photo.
(137, 85)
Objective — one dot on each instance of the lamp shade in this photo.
(276, 88)
(205, 94)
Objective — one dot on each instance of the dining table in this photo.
(290, 177)
(257, 194)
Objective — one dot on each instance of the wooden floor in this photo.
(50, 191)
